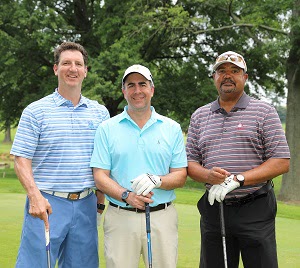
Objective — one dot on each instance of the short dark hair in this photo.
(70, 46)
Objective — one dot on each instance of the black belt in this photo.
(156, 208)
(263, 191)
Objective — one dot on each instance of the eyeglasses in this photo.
(233, 58)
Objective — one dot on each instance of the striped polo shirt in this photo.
(247, 136)
(58, 138)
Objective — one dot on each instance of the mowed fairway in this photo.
(288, 232)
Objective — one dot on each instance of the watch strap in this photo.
(101, 206)
(124, 199)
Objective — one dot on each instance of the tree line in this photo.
(177, 40)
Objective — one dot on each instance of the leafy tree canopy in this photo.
(177, 40)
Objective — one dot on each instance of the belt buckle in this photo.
(73, 196)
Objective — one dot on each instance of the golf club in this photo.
(47, 236)
(148, 230)
(222, 221)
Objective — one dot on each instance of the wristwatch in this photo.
(100, 206)
(125, 195)
(241, 179)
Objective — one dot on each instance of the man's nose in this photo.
(137, 88)
(227, 73)
(73, 67)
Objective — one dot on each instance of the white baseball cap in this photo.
(137, 68)
(231, 57)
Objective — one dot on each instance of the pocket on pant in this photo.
(272, 203)
(202, 203)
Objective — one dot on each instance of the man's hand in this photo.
(219, 191)
(144, 183)
(217, 175)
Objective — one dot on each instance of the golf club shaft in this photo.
(148, 230)
(223, 233)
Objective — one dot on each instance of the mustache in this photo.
(227, 81)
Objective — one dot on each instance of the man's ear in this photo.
(55, 69)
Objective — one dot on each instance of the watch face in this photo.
(240, 177)
(125, 194)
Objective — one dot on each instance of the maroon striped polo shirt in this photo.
(237, 141)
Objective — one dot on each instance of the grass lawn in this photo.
(12, 199)
(5, 147)
(11, 215)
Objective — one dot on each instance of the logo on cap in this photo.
(231, 57)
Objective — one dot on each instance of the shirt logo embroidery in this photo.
(240, 126)
(91, 125)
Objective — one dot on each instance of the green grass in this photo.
(12, 199)
(5, 147)
(11, 214)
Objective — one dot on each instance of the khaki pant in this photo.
(125, 238)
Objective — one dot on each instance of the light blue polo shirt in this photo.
(128, 151)
(59, 138)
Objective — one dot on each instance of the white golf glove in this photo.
(219, 191)
(144, 183)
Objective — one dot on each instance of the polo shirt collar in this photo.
(60, 100)
(241, 104)
(154, 115)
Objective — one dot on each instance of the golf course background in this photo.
(12, 199)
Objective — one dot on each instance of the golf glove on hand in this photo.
(144, 183)
(219, 191)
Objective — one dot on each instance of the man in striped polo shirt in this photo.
(52, 149)
(236, 146)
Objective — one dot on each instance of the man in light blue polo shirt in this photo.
(52, 149)
(139, 157)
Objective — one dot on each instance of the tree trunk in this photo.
(7, 136)
(290, 187)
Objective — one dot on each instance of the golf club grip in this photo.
(47, 236)
(223, 233)
(147, 209)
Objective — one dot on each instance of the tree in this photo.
(291, 183)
